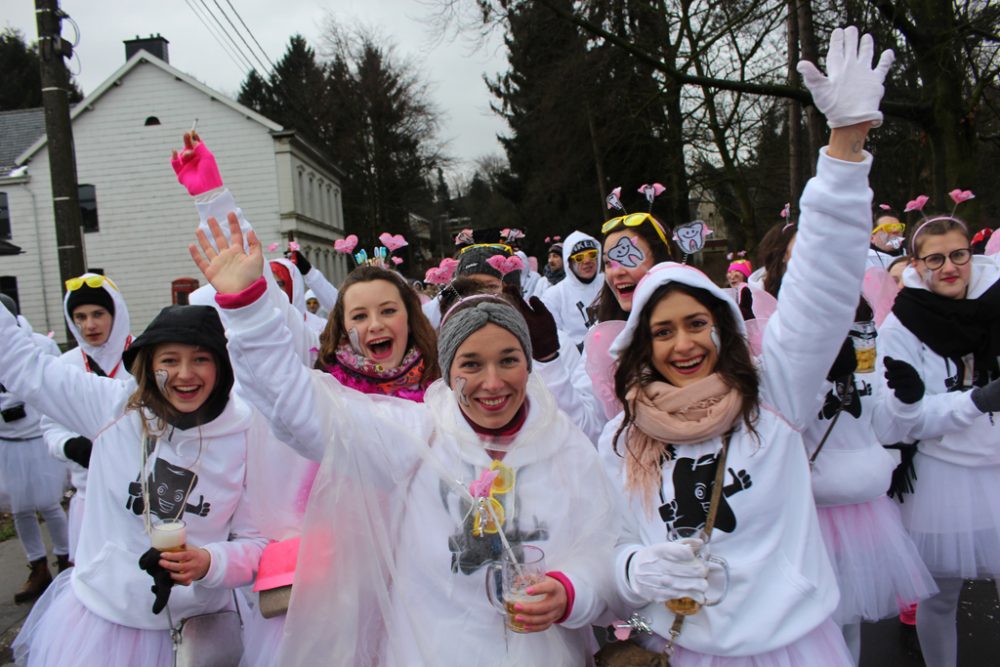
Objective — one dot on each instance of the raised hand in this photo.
(195, 166)
(852, 89)
(231, 269)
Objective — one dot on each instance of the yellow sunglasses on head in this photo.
(583, 256)
(73, 284)
(495, 246)
(634, 220)
(890, 228)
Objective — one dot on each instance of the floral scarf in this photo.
(369, 377)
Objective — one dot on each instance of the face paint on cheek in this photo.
(459, 389)
(161, 379)
(354, 339)
(714, 335)
(626, 253)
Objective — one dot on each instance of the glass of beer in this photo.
(698, 541)
(169, 535)
(507, 582)
(863, 336)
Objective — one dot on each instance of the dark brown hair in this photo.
(937, 226)
(422, 335)
(607, 304)
(734, 365)
(771, 255)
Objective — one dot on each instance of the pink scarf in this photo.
(664, 414)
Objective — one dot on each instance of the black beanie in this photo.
(475, 260)
(9, 304)
(191, 325)
(90, 296)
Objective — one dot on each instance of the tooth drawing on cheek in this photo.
(161, 379)
(459, 383)
(352, 336)
(626, 253)
(714, 335)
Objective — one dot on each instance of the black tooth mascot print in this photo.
(693, 481)
(850, 394)
(169, 486)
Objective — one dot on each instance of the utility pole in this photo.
(62, 156)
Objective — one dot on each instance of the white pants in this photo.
(30, 533)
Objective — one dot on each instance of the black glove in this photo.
(299, 260)
(746, 304)
(541, 325)
(162, 583)
(987, 398)
(904, 381)
(78, 449)
(845, 363)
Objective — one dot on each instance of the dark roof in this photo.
(18, 130)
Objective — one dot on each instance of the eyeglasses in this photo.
(583, 256)
(890, 228)
(73, 284)
(958, 257)
(495, 246)
(634, 220)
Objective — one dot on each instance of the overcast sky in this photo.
(453, 68)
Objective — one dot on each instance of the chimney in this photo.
(154, 45)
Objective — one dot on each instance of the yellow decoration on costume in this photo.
(504, 480)
(483, 521)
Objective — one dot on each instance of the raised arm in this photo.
(80, 401)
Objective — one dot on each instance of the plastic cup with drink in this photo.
(699, 543)
(169, 535)
(508, 580)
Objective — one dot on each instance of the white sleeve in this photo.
(567, 379)
(325, 292)
(82, 401)
(821, 288)
(234, 562)
(56, 435)
(307, 409)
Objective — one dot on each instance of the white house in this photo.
(138, 220)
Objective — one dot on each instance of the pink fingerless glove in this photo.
(196, 170)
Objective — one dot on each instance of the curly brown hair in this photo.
(422, 335)
(735, 364)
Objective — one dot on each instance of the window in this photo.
(152, 120)
(8, 286)
(88, 207)
(4, 217)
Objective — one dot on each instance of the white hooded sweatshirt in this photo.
(782, 584)
(569, 299)
(203, 467)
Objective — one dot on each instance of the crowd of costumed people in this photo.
(616, 460)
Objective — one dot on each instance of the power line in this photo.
(240, 35)
(242, 66)
(250, 32)
(222, 29)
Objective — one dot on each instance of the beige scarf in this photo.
(666, 414)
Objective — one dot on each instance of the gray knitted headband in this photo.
(460, 323)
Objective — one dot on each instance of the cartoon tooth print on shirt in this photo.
(478, 541)
(626, 253)
(849, 393)
(693, 493)
(169, 488)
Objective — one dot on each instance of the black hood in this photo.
(191, 325)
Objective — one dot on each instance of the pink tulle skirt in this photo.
(953, 517)
(822, 647)
(876, 563)
(61, 632)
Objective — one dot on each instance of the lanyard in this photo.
(86, 360)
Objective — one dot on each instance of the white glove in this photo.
(852, 90)
(667, 571)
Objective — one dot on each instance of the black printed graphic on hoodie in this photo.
(169, 489)
(850, 393)
(693, 481)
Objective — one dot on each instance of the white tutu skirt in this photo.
(877, 565)
(822, 647)
(261, 636)
(61, 632)
(32, 478)
(953, 517)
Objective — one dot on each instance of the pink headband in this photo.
(940, 218)
(741, 265)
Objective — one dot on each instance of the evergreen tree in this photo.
(22, 79)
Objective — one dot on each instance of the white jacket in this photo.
(27, 427)
(203, 468)
(416, 460)
(569, 299)
(782, 584)
(946, 423)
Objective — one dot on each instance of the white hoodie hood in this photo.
(110, 353)
(569, 299)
